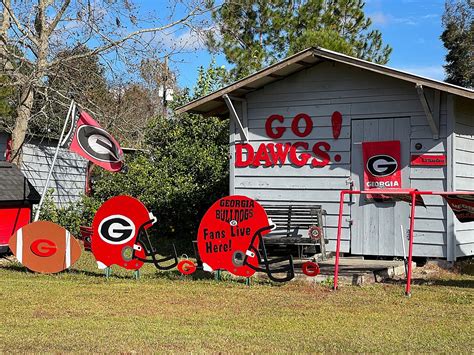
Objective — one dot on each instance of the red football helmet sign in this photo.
(119, 235)
(230, 238)
(45, 247)
(382, 165)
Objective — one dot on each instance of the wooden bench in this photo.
(293, 225)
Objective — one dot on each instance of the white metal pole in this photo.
(45, 190)
(404, 250)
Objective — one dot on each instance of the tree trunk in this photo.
(21, 125)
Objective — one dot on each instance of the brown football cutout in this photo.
(45, 247)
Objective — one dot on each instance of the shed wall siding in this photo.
(464, 169)
(357, 94)
(69, 175)
(3, 145)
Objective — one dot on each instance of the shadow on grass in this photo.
(93, 273)
(436, 282)
(176, 275)
(171, 275)
(200, 275)
(15, 267)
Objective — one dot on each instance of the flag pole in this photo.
(70, 113)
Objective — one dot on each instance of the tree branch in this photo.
(28, 34)
(118, 42)
(58, 17)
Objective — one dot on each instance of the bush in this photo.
(71, 216)
(182, 172)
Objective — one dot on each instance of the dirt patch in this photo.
(443, 268)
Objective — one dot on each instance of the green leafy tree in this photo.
(255, 33)
(7, 103)
(82, 78)
(209, 80)
(9, 93)
(458, 38)
(182, 169)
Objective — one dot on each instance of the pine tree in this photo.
(458, 38)
(255, 33)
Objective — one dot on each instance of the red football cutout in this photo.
(45, 247)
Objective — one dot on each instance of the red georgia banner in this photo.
(462, 205)
(382, 165)
(95, 144)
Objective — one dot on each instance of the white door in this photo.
(376, 225)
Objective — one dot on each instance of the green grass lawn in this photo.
(80, 310)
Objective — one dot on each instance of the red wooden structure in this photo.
(17, 197)
(461, 202)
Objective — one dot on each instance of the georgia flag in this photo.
(92, 142)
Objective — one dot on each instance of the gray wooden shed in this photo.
(69, 175)
(377, 103)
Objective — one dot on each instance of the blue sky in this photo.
(411, 27)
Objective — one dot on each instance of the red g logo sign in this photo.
(382, 164)
(43, 247)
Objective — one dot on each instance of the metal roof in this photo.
(14, 186)
(213, 104)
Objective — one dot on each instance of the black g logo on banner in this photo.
(382, 165)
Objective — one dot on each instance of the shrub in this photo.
(181, 173)
(71, 216)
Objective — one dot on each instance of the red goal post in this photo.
(413, 196)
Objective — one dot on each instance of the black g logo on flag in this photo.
(97, 143)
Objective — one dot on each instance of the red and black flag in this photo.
(462, 204)
(92, 142)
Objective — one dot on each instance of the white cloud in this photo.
(383, 19)
(191, 39)
(379, 18)
(430, 71)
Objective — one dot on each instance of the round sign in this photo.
(228, 235)
(116, 228)
(315, 232)
(186, 267)
(310, 268)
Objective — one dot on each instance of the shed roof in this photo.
(214, 104)
(14, 186)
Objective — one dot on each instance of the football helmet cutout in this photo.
(230, 237)
(120, 235)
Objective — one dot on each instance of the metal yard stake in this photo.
(404, 250)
